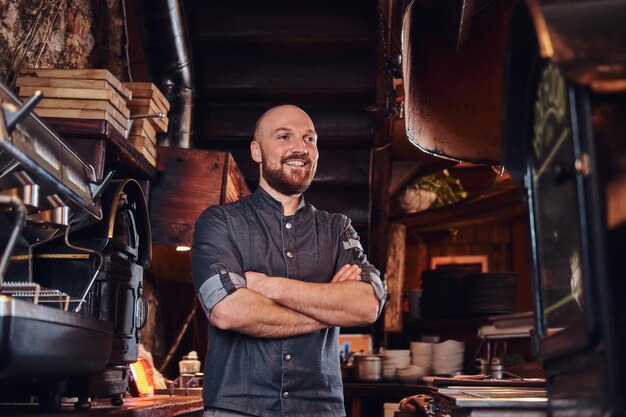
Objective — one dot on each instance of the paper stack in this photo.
(78, 94)
(147, 103)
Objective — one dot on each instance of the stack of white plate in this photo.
(411, 374)
(422, 355)
(448, 357)
(394, 359)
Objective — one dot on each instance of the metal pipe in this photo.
(167, 50)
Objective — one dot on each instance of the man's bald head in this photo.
(272, 114)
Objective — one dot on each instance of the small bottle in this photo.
(189, 364)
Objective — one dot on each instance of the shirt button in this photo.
(285, 395)
(287, 357)
(289, 254)
(223, 271)
(288, 225)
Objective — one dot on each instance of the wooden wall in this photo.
(504, 242)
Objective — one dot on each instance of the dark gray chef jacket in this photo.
(293, 376)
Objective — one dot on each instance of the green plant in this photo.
(447, 189)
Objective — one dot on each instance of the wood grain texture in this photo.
(60, 103)
(143, 142)
(395, 277)
(77, 93)
(83, 114)
(142, 127)
(148, 90)
(74, 74)
(190, 181)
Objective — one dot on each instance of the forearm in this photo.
(344, 304)
(251, 313)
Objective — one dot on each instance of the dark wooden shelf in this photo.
(503, 199)
(449, 322)
(126, 156)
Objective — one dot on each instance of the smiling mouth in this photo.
(295, 163)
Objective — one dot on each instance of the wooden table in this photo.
(156, 406)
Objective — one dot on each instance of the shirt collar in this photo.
(264, 199)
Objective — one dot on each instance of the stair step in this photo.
(277, 72)
(261, 21)
(238, 123)
(302, 97)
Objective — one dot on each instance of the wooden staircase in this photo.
(318, 54)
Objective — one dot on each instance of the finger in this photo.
(338, 275)
(345, 273)
(352, 274)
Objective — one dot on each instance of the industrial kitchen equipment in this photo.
(73, 253)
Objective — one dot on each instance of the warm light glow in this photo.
(141, 378)
(182, 248)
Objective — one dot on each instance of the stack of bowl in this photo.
(422, 355)
(448, 357)
(394, 359)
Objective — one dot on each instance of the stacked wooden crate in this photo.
(146, 104)
(78, 94)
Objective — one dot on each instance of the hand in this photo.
(255, 281)
(347, 273)
(416, 405)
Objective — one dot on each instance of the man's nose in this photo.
(299, 146)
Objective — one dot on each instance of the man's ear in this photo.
(255, 152)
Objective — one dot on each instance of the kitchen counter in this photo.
(365, 398)
(156, 406)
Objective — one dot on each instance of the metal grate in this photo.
(36, 294)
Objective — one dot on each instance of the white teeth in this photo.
(295, 163)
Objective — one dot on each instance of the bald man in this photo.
(277, 278)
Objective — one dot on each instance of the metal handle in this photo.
(14, 117)
(143, 311)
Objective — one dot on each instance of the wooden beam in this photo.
(395, 277)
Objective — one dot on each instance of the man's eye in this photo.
(283, 137)
(311, 139)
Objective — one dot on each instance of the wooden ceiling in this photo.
(317, 54)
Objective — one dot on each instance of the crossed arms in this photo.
(252, 303)
(281, 307)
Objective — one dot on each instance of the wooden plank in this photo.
(143, 142)
(147, 102)
(82, 114)
(146, 154)
(141, 127)
(395, 277)
(84, 93)
(61, 103)
(93, 74)
(194, 177)
(235, 183)
(148, 90)
(503, 199)
(101, 105)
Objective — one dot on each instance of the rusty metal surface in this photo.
(453, 98)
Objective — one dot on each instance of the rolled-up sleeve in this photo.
(216, 265)
(351, 252)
